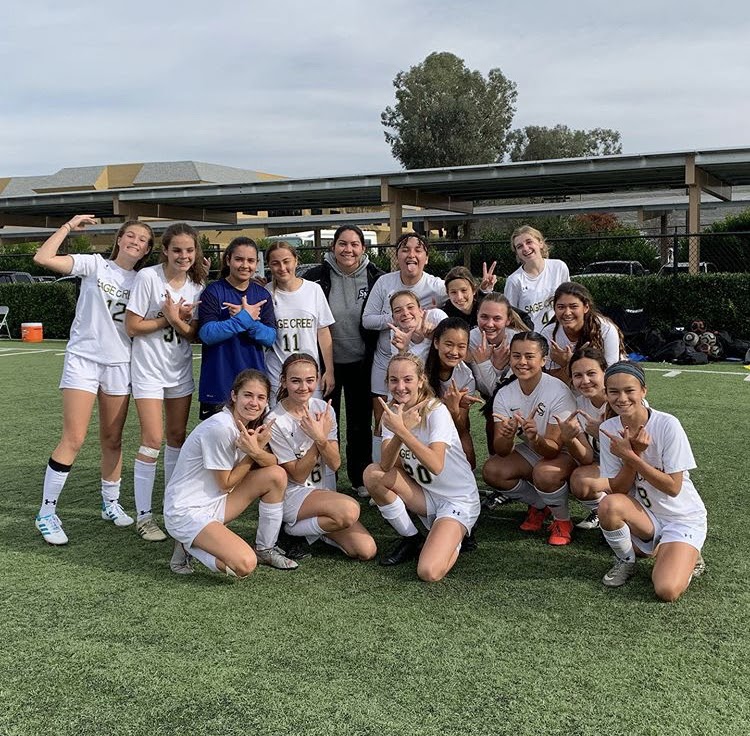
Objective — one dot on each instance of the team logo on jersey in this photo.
(541, 409)
(363, 292)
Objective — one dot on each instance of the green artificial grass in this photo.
(99, 637)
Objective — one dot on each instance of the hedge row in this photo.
(721, 300)
(51, 303)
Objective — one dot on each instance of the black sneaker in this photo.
(590, 522)
(469, 542)
(295, 548)
(495, 500)
(407, 548)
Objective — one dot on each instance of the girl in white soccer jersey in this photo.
(653, 508)
(303, 438)
(412, 256)
(160, 321)
(451, 379)
(222, 468)
(580, 431)
(577, 322)
(412, 326)
(97, 364)
(531, 287)
(535, 470)
(424, 470)
(302, 318)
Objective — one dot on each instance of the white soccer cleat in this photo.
(149, 530)
(51, 529)
(112, 511)
(182, 561)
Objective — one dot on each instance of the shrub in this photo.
(51, 303)
(721, 300)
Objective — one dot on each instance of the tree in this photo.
(449, 115)
(538, 143)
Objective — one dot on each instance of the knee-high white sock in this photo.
(269, 524)
(621, 543)
(592, 504)
(305, 528)
(557, 501)
(144, 475)
(170, 460)
(523, 491)
(110, 490)
(54, 480)
(398, 517)
(204, 557)
(377, 444)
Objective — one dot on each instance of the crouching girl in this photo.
(424, 470)
(303, 438)
(653, 507)
(222, 468)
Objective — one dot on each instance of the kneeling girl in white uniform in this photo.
(536, 470)
(653, 508)
(160, 321)
(580, 431)
(424, 470)
(304, 440)
(451, 379)
(222, 468)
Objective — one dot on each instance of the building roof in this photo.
(439, 189)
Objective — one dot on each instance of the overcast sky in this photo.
(296, 88)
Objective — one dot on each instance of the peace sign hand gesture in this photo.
(528, 424)
(317, 425)
(570, 428)
(488, 277)
(253, 309)
(592, 423)
(400, 339)
(560, 355)
(481, 352)
(399, 421)
(507, 425)
(619, 444)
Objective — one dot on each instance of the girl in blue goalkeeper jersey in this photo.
(236, 322)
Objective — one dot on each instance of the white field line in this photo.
(672, 372)
(23, 352)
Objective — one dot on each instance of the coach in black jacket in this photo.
(346, 277)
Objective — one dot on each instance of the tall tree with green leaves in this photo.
(537, 143)
(448, 115)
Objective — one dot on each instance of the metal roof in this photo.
(468, 183)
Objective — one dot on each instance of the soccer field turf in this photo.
(520, 638)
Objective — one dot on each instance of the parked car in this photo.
(612, 268)
(684, 267)
(16, 277)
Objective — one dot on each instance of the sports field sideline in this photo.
(520, 638)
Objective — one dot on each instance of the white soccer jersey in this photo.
(551, 395)
(98, 329)
(535, 294)
(299, 316)
(430, 290)
(161, 358)
(610, 340)
(289, 442)
(463, 378)
(485, 373)
(209, 447)
(585, 404)
(669, 452)
(456, 481)
(422, 349)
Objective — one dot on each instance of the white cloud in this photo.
(297, 87)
